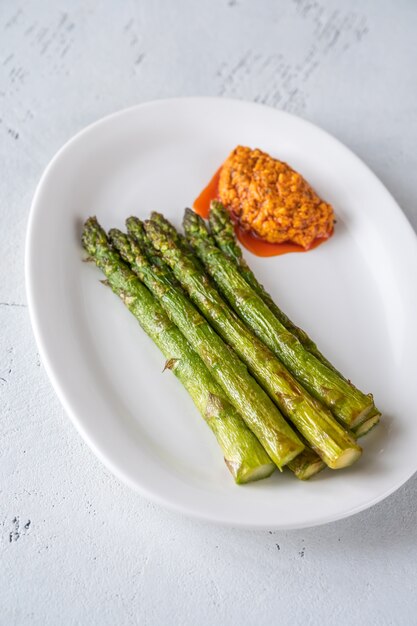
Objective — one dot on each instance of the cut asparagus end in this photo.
(306, 465)
(310, 470)
(367, 425)
(346, 458)
(363, 416)
(251, 474)
(294, 451)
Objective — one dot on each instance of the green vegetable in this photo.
(136, 229)
(334, 445)
(346, 402)
(243, 454)
(256, 408)
(307, 464)
(221, 227)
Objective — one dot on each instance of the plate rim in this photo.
(114, 468)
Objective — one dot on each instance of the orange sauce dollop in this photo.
(248, 239)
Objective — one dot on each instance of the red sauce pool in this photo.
(250, 241)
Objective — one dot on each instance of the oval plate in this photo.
(356, 295)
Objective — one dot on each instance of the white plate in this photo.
(356, 295)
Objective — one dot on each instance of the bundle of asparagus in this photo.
(222, 230)
(247, 367)
(243, 454)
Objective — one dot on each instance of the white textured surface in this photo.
(77, 547)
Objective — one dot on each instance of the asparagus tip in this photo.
(93, 235)
(133, 221)
(194, 225)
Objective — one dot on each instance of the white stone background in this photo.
(78, 547)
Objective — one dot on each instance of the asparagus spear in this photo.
(324, 434)
(221, 228)
(243, 454)
(346, 402)
(260, 414)
(307, 463)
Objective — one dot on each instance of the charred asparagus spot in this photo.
(255, 407)
(222, 230)
(347, 403)
(323, 433)
(243, 454)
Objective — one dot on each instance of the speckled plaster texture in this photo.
(78, 547)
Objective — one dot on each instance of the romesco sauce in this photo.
(246, 237)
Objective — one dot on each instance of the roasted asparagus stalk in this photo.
(323, 433)
(347, 403)
(260, 414)
(221, 227)
(243, 454)
(307, 464)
